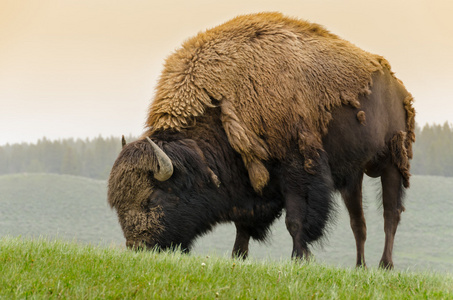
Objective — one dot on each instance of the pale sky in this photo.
(84, 68)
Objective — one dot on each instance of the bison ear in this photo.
(123, 141)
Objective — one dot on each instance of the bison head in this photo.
(159, 195)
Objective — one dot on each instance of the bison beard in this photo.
(309, 117)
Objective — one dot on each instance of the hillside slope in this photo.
(76, 208)
(69, 207)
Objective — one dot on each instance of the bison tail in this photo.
(401, 155)
(410, 124)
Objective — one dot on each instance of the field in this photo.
(68, 207)
(75, 209)
(43, 269)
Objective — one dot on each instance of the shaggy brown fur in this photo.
(133, 179)
(262, 63)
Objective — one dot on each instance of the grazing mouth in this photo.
(142, 246)
(145, 246)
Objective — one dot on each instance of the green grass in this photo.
(54, 269)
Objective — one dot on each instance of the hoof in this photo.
(361, 266)
(386, 265)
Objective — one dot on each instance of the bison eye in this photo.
(163, 198)
(148, 204)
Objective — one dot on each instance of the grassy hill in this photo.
(64, 206)
(72, 207)
(42, 269)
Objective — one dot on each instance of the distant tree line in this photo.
(433, 150)
(90, 158)
(433, 155)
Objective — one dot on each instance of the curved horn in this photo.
(123, 141)
(165, 164)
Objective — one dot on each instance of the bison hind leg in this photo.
(394, 178)
(352, 196)
(392, 199)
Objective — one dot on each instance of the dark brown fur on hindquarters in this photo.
(380, 149)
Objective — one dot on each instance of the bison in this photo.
(261, 115)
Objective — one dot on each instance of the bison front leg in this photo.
(241, 244)
(392, 194)
(308, 202)
(352, 197)
(295, 211)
